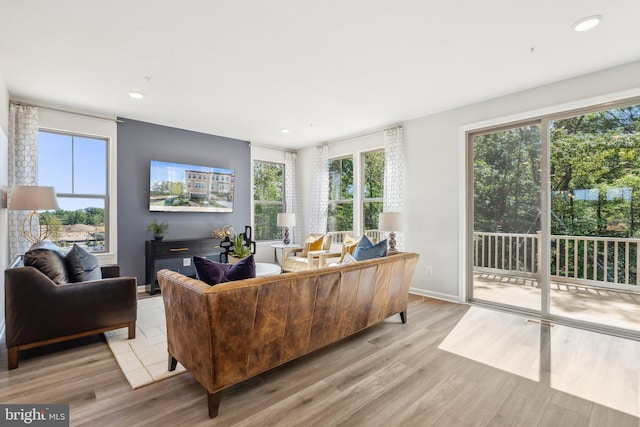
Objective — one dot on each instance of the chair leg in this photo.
(403, 316)
(132, 330)
(12, 356)
(213, 401)
(172, 362)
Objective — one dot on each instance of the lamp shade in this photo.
(33, 198)
(286, 219)
(391, 221)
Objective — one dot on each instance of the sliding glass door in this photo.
(506, 210)
(595, 217)
(554, 217)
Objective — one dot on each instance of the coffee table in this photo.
(264, 269)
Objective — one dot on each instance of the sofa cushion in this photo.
(364, 242)
(348, 246)
(210, 272)
(49, 259)
(313, 242)
(82, 266)
(244, 269)
(374, 251)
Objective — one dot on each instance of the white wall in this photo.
(4, 170)
(434, 154)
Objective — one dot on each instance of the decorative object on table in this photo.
(391, 222)
(158, 228)
(239, 248)
(225, 232)
(286, 220)
(34, 198)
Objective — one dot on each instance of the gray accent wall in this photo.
(138, 144)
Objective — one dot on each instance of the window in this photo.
(268, 196)
(340, 211)
(372, 188)
(76, 166)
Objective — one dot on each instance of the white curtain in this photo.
(320, 191)
(291, 192)
(23, 167)
(393, 197)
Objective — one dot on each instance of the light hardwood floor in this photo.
(448, 366)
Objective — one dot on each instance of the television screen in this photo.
(176, 187)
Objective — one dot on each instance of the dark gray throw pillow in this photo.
(82, 266)
(49, 259)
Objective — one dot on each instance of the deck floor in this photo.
(608, 307)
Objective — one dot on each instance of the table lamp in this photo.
(286, 220)
(391, 222)
(34, 198)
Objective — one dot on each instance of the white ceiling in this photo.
(324, 69)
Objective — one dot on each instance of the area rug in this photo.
(143, 360)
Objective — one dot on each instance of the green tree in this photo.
(373, 188)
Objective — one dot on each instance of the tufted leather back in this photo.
(233, 331)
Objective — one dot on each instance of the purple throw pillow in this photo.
(211, 272)
(244, 269)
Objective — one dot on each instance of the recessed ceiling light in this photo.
(136, 95)
(587, 23)
(285, 130)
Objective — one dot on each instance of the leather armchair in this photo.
(40, 312)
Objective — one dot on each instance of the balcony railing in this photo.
(593, 261)
(374, 235)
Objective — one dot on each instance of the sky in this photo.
(88, 176)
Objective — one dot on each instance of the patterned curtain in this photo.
(320, 191)
(291, 192)
(23, 167)
(393, 197)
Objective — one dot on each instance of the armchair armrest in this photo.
(293, 251)
(110, 271)
(323, 258)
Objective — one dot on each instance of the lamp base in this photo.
(286, 239)
(35, 227)
(392, 243)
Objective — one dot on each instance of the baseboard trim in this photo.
(436, 295)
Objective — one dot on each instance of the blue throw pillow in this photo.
(374, 251)
(244, 269)
(364, 242)
(210, 272)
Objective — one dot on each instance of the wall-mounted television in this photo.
(177, 187)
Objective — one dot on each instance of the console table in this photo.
(167, 249)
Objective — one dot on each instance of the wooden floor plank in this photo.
(390, 374)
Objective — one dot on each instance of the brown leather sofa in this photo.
(227, 333)
(40, 312)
